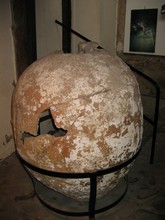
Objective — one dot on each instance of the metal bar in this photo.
(92, 198)
(78, 175)
(74, 32)
(156, 116)
(66, 19)
(148, 119)
(156, 112)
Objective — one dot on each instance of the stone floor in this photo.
(145, 198)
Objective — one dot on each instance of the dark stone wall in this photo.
(153, 66)
(23, 30)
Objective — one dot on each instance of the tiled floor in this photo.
(145, 198)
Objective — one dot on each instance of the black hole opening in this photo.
(46, 125)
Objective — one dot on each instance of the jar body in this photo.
(95, 111)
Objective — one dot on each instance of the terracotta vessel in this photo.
(94, 118)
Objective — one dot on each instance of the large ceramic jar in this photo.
(94, 118)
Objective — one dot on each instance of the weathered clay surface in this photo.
(95, 98)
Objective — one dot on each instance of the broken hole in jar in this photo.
(46, 125)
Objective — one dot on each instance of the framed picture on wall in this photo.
(144, 28)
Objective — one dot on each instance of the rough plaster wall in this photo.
(108, 25)
(7, 76)
(85, 20)
(153, 66)
(48, 34)
(95, 19)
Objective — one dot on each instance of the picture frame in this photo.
(144, 27)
